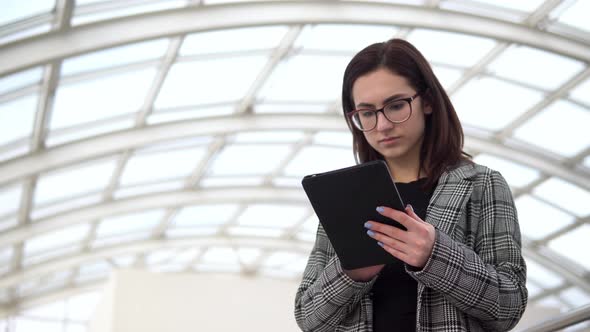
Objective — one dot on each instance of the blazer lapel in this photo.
(450, 198)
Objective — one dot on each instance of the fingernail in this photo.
(371, 233)
(380, 209)
(379, 243)
(367, 225)
(410, 207)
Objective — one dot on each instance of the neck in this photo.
(404, 171)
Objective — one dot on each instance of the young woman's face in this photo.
(395, 142)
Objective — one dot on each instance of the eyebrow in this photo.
(386, 100)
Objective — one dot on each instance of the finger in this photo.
(399, 216)
(394, 252)
(388, 230)
(392, 242)
(411, 213)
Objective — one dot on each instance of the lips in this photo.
(388, 140)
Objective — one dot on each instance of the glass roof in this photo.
(119, 145)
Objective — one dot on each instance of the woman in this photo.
(460, 266)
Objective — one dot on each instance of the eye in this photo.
(396, 105)
(366, 113)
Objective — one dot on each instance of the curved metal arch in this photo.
(148, 245)
(112, 143)
(152, 201)
(87, 38)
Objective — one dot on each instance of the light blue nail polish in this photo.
(380, 209)
(367, 225)
(371, 233)
(379, 243)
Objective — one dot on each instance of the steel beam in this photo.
(176, 22)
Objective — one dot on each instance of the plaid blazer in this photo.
(474, 279)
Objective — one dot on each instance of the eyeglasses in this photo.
(396, 111)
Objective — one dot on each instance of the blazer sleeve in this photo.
(326, 295)
(487, 282)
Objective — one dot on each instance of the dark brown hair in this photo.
(442, 147)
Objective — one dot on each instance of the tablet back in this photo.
(344, 200)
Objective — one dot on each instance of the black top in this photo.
(395, 292)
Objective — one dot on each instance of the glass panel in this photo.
(274, 216)
(565, 195)
(16, 151)
(8, 223)
(43, 256)
(233, 40)
(291, 107)
(306, 161)
(211, 81)
(255, 231)
(446, 76)
(284, 136)
(17, 118)
(160, 256)
(574, 245)
(94, 270)
(13, 10)
(220, 255)
(117, 56)
(160, 166)
(205, 215)
(557, 128)
(198, 113)
(331, 37)
(575, 297)
(60, 137)
(135, 222)
(6, 255)
(101, 98)
(248, 256)
(10, 197)
(30, 325)
(533, 289)
(516, 175)
(279, 259)
(148, 189)
(287, 181)
(249, 159)
(124, 261)
(576, 15)
(186, 256)
(40, 212)
(522, 5)
(73, 180)
(492, 104)
(538, 220)
(542, 276)
(183, 143)
(36, 30)
(300, 73)
(79, 19)
(75, 327)
(57, 239)
(521, 63)
(117, 240)
(336, 138)
(441, 47)
(210, 182)
(20, 79)
(582, 92)
(55, 310)
(180, 232)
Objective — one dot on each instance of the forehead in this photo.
(377, 85)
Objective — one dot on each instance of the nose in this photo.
(382, 122)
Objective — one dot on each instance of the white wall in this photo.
(143, 301)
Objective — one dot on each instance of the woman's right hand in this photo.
(365, 273)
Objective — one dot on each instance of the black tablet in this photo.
(344, 200)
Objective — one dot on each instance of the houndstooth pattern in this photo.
(474, 279)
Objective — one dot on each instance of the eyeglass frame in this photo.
(408, 100)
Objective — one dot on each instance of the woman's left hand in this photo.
(412, 246)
